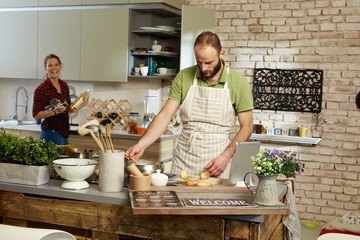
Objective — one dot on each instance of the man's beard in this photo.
(211, 73)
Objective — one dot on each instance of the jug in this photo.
(266, 191)
(156, 47)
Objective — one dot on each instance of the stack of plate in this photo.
(159, 28)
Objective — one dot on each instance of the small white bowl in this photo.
(159, 179)
(75, 171)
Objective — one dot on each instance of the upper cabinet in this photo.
(95, 41)
(104, 44)
(190, 29)
(174, 30)
(18, 44)
(59, 34)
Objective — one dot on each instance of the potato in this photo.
(191, 182)
(183, 175)
(205, 175)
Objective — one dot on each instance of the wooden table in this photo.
(43, 206)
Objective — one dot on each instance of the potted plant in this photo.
(25, 160)
(268, 164)
(317, 129)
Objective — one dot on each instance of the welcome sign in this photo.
(217, 202)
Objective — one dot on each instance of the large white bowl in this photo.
(75, 171)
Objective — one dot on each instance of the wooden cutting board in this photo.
(212, 180)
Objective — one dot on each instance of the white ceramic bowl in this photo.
(75, 171)
(159, 179)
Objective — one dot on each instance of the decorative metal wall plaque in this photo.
(288, 90)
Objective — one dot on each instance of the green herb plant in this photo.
(26, 151)
(273, 161)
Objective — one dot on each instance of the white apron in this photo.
(207, 117)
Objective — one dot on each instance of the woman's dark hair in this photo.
(357, 100)
(208, 39)
(51, 56)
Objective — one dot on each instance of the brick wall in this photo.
(300, 34)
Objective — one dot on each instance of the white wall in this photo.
(134, 91)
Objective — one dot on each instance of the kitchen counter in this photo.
(32, 127)
(71, 210)
(161, 150)
(91, 213)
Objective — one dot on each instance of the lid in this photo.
(159, 175)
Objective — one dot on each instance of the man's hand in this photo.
(217, 165)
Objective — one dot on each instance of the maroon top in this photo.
(42, 96)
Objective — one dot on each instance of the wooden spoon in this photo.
(108, 134)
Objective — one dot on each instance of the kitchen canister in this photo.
(111, 171)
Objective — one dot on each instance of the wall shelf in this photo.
(285, 139)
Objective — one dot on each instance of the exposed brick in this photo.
(335, 204)
(343, 198)
(328, 211)
(313, 209)
(326, 195)
(351, 206)
(351, 191)
(336, 189)
(313, 194)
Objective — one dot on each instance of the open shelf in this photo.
(285, 139)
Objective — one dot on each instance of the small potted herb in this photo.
(25, 160)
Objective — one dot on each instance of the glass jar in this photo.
(133, 123)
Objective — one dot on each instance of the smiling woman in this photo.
(55, 126)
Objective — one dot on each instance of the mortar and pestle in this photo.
(138, 181)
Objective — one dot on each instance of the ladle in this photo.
(98, 130)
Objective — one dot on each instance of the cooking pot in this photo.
(86, 153)
(148, 166)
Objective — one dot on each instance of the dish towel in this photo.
(292, 222)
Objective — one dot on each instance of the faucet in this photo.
(15, 115)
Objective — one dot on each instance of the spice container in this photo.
(133, 123)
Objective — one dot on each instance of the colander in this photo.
(75, 171)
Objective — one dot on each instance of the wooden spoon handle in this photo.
(97, 141)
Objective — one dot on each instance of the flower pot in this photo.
(317, 131)
(266, 191)
(24, 174)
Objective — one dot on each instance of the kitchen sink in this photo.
(16, 122)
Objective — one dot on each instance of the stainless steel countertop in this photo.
(53, 189)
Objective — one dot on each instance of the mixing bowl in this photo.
(148, 166)
(75, 171)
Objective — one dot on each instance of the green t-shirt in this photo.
(240, 92)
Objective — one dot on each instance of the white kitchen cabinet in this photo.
(59, 33)
(45, 3)
(18, 3)
(190, 29)
(104, 44)
(18, 44)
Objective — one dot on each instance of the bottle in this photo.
(133, 123)
(78, 101)
(151, 64)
